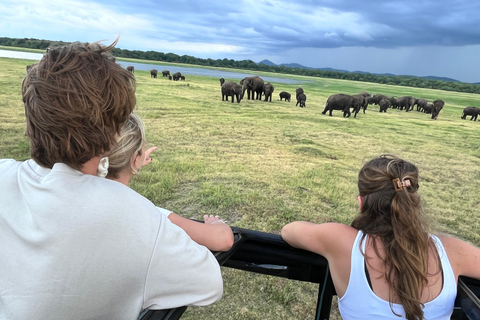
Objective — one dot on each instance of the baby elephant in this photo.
(471, 111)
(285, 95)
(301, 98)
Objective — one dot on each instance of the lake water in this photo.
(146, 67)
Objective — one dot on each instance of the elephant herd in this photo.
(255, 87)
(165, 73)
(408, 103)
(361, 101)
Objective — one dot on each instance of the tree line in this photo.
(407, 81)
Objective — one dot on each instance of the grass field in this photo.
(260, 165)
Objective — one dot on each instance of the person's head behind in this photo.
(76, 101)
(392, 212)
(130, 145)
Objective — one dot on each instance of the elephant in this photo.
(165, 73)
(253, 85)
(176, 76)
(428, 108)
(268, 91)
(421, 104)
(222, 81)
(375, 99)
(406, 102)
(153, 73)
(285, 95)
(342, 102)
(384, 105)
(298, 91)
(182, 78)
(231, 88)
(437, 106)
(471, 111)
(131, 69)
(301, 99)
(362, 101)
(169, 77)
(365, 94)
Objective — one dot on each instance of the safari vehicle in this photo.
(268, 254)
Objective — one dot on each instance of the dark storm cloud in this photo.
(268, 26)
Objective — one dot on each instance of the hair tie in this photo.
(400, 184)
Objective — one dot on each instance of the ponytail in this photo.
(392, 212)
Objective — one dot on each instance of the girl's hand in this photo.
(148, 159)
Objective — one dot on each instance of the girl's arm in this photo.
(214, 234)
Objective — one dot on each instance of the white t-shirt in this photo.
(76, 246)
(360, 302)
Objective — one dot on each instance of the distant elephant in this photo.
(406, 102)
(232, 89)
(341, 102)
(428, 108)
(285, 95)
(253, 85)
(421, 104)
(437, 106)
(375, 99)
(298, 91)
(365, 94)
(268, 91)
(222, 81)
(131, 69)
(176, 76)
(362, 102)
(165, 73)
(384, 105)
(301, 99)
(471, 111)
(169, 77)
(153, 73)
(182, 78)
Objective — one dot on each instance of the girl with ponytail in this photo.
(387, 264)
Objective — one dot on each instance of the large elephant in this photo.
(362, 101)
(268, 91)
(428, 108)
(165, 73)
(232, 89)
(437, 106)
(153, 73)
(298, 91)
(131, 69)
(376, 98)
(384, 104)
(222, 81)
(421, 104)
(253, 85)
(471, 111)
(342, 102)
(301, 99)
(285, 95)
(406, 102)
(176, 76)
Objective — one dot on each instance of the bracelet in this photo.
(218, 221)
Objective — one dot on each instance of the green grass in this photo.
(260, 165)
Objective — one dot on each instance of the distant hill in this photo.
(299, 66)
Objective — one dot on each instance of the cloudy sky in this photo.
(415, 37)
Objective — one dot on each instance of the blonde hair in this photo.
(392, 213)
(76, 99)
(130, 142)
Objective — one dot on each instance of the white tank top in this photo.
(360, 302)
